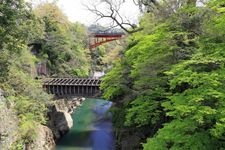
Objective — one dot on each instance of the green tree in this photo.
(64, 44)
(23, 93)
(150, 55)
(196, 105)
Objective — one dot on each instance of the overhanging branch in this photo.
(113, 13)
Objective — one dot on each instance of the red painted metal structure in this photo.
(99, 38)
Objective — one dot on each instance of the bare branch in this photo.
(113, 12)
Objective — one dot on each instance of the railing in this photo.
(107, 34)
(101, 37)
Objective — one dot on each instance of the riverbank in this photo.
(58, 124)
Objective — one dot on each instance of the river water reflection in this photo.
(92, 128)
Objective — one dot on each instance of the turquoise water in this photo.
(92, 128)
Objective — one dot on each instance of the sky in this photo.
(76, 11)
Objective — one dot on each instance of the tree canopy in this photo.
(64, 45)
(169, 84)
(46, 32)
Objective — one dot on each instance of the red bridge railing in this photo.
(98, 38)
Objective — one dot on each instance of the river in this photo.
(92, 128)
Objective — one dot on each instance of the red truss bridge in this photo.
(99, 38)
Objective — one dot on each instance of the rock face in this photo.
(9, 130)
(60, 120)
(8, 124)
(44, 141)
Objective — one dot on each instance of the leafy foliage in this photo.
(175, 68)
(115, 79)
(63, 45)
(182, 135)
(197, 99)
(54, 40)
(17, 65)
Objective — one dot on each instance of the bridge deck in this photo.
(72, 81)
(61, 87)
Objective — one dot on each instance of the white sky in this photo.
(76, 11)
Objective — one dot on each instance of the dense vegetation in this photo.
(63, 41)
(169, 84)
(55, 41)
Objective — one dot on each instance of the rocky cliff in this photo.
(59, 123)
(60, 120)
(8, 124)
(44, 140)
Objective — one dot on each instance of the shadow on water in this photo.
(92, 128)
(76, 139)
